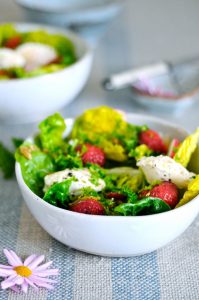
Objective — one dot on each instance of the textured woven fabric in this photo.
(169, 273)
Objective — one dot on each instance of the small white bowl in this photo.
(169, 93)
(113, 235)
(31, 99)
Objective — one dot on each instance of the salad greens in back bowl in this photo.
(123, 188)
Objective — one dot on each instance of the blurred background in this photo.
(125, 34)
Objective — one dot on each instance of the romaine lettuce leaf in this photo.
(145, 206)
(192, 191)
(187, 148)
(35, 164)
(51, 132)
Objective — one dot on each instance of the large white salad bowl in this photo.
(113, 235)
(31, 99)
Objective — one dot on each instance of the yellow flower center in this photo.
(23, 271)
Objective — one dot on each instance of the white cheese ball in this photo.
(83, 180)
(164, 168)
(11, 59)
(36, 54)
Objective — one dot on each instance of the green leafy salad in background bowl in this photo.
(25, 54)
(107, 166)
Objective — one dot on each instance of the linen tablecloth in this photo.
(169, 273)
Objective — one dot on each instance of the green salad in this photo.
(107, 166)
(33, 53)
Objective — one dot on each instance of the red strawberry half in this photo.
(93, 154)
(89, 206)
(153, 140)
(167, 191)
(173, 147)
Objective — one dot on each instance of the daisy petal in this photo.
(30, 283)
(44, 266)
(36, 262)
(29, 259)
(6, 272)
(46, 273)
(19, 280)
(11, 259)
(5, 267)
(8, 282)
(24, 287)
(16, 257)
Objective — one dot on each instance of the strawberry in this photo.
(173, 147)
(13, 42)
(89, 206)
(3, 72)
(93, 154)
(167, 191)
(153, 140)
(115, 195)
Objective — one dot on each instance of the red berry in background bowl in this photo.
(173, 147)
(13, 42)
(89, 206)
(153, 140)
(167, 191)
(92, 154)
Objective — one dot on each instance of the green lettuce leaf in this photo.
(145, 206)
(58, 194)
(7, 31)
(7, 161)
(51, 132)
(127, 177)
(140, 151)
(187, 148)
(35, 165)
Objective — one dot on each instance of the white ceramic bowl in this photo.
(70, 12)
(113, 235)
(170, 94)
(31, 99)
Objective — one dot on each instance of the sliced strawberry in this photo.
(13, 42)
(153, 140)
(167, 191)
(93, 154)
(173, 147)
(115, 195)
(89, 206)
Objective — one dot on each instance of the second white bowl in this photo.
(31, 99)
